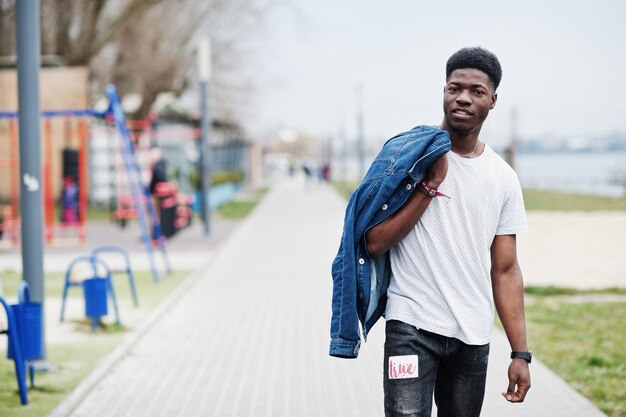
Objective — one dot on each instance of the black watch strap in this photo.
(528, 356)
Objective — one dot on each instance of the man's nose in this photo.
(464, 97)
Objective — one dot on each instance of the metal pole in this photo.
(204, 70)
(204, 171)
(28, 65)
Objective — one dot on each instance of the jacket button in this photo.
(408, 186)
(361, 261)
(384, 207)
(360, 296)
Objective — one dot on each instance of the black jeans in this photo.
(422, 363)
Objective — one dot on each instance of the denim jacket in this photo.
(360, 282)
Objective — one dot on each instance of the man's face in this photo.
(467, 98)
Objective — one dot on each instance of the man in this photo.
(452, 251)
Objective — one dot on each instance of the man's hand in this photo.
(519, 381)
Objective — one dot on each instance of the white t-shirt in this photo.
(441, 270)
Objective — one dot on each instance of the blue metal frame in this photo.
(127, 270)
(14, 341)
(139, 190)
(27, 355)
(94, 261)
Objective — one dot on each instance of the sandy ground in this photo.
(574, 249)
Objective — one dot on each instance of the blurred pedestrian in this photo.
(326, 171)
(433, 229)
(310, 172)
(158, 176)
(158, 170)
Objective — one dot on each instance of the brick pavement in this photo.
(249, 335)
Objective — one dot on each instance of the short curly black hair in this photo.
(477, 58)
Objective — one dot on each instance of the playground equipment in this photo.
(109, 183)
(68, 226)
(9, 180)
(66, 181)
(96, 288)
(140, 194)
(99, 251)
(65, 137)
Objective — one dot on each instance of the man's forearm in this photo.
(508, 291)
(394, 228)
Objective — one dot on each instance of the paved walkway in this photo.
(249, 336)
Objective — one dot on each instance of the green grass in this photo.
(581, 341)
(75, 359)
(240, 208)
(72, 362)
(547, 291)
(537, 199)
(585, 344)
(552, 200)
(236, 209)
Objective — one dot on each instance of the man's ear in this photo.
(494, 98)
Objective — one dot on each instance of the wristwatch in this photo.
(528, 356)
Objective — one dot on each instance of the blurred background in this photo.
(336, 79)
(307, 92)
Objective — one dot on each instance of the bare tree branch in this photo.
(7, 27)
(149, 46)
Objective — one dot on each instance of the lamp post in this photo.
(31, 203)
(204, 76)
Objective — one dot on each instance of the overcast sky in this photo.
(564, 64)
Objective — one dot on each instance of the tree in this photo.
(7, 28)
(159, 50)
(148, 46)
(74, 29)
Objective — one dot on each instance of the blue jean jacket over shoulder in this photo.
(360, 282)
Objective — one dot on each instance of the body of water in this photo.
(588, 173)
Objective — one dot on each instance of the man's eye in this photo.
(452, 89)
(479, 93)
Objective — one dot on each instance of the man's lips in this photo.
(462, 111)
